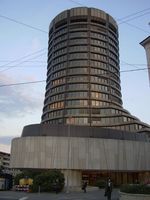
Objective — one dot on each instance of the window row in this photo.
(54, 121)
(60, 45)
(58, 74)
(99, 87)
(71, 95)
(75, 56)
(56, 105)
(98, 50)
(77, 79)
(59, 81)
(97, 95)
(57, 113)
(115, 99)
(80, 121)
(55, 68)
(60, 38)
(81, 70)
(60, 52)
(55, 98)
(109, 120)
(78, 26)
(95, 103)
(79, 86)
(78, 41)
(98, 79)
(57, 89)
(98, 29)
(113, 36)
(78, 48)
(59, 60)
(98, 43)
(77, 103)
(112, 55)
(98, 36)
(113, 49)
(129, 127)
(60, 32)
(78, 63)
(113, 43)
(115, 77)
(98, 71)
(115, 92)
(113, 69)
(77, 112)
(78, 34)
(112, 62)
(98, 57)
(113, 83)
(98, 64)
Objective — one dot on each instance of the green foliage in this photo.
(17, 178)
(135, 189)
(25, 174)
(100, 184)
(1, 169)
(48, 181)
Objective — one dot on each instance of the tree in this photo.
(52, 180)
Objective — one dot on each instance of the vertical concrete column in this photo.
(74, 179)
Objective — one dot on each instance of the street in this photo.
(90, 195)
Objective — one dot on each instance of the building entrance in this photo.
(118, 178)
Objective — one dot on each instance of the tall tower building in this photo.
(83, 73)
(85, 131)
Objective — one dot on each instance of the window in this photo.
(72, 103)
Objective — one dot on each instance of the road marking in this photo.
(23, 198)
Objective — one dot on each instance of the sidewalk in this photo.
(90, 195)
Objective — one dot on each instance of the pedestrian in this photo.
(84, 186)
(108, 189)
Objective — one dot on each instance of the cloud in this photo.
(35, 44)
(6, 140)
(18, 100)
(5, 148)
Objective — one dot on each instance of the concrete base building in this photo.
(85, 131)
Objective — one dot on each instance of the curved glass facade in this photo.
(83, 74)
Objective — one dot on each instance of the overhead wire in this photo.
(23, 24)
(28, 61)
(22, 83)
(28, 55)
(125, 22)
(33, 27)
(128, 16)
(21, 63)
(31, 82)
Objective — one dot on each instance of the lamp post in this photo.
(68, 155)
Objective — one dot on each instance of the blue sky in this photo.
(22, 105)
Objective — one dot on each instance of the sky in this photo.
(23, 58)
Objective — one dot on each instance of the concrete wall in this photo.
(84, 153)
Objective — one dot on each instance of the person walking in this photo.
(108, 189)
(84, 186)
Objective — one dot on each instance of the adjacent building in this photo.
(85, 131)
(146, 44)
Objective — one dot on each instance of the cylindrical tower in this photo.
(83, 78)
